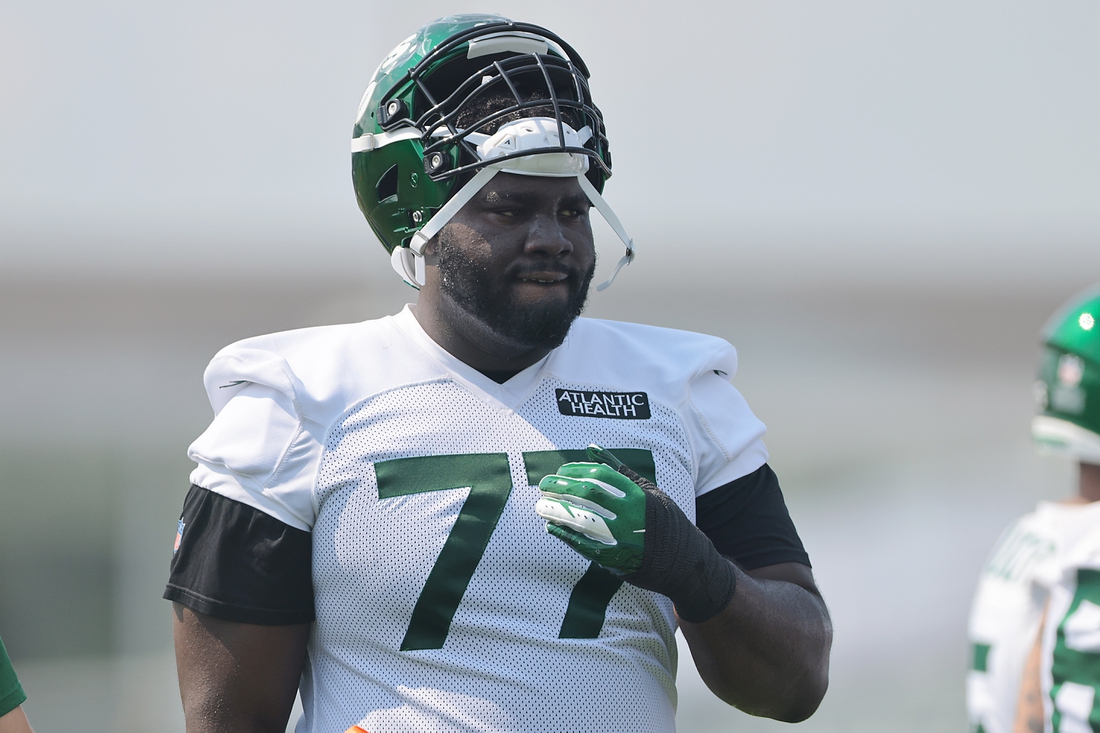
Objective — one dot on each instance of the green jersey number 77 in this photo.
(489, 478)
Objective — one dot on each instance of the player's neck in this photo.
(474, 344)
(1089, 482)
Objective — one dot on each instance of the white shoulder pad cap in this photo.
(259, 450)
(722, 420)
(234, 366)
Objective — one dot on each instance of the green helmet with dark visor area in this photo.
(463, 98)
(1068, 390)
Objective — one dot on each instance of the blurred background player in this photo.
(406, 516)
(1035, 620)
(12, 697)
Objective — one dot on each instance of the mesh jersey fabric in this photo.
(1038, 552)
(234, 562)
(11, 692)
(441, 603)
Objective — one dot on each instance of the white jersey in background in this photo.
(1070, 667)
(1028, 567)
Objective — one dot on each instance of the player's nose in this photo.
(547, 236)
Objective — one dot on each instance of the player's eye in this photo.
(508, 211)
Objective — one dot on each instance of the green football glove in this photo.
(597, 511)
(624, 523)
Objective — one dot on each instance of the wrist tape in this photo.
(678, 560)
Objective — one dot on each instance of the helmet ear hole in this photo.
(387, 185)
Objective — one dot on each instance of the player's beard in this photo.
(467, 284)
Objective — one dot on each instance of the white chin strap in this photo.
(531, 133)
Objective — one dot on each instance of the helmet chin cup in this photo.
(409, 266)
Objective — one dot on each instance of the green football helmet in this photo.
(1068, 390)
(464, 98)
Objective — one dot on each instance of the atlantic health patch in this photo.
(615, 405)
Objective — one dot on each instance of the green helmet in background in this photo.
(1068, 390)
(464, 98)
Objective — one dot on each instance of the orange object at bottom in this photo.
(356, 729)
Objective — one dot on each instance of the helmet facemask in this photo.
(502, 91)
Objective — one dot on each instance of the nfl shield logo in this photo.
(179, 536)
(1071, 369)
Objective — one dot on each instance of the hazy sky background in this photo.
(940, 142)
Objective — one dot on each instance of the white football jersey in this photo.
(1032, 557)
(1071, 637)
(442, 604)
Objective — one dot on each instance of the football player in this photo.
(485, 513)
(12, 697)
(1035, 621)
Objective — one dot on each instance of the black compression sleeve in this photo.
(237, 563)
(747, 520)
